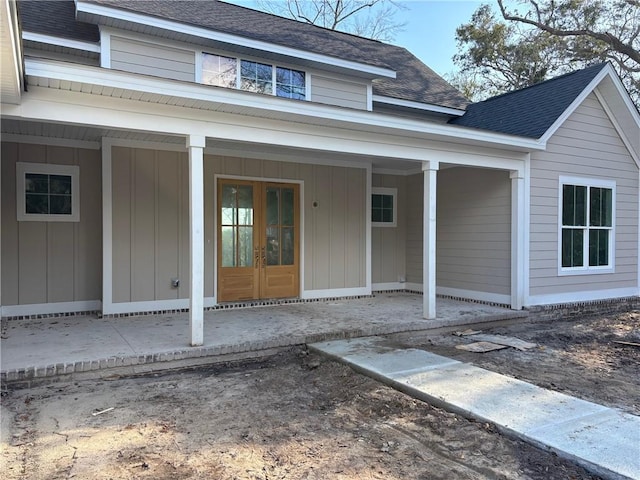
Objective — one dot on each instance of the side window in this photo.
(384, 207)
(47, 193)
(219, 70)
(587, 222)
(290, 83)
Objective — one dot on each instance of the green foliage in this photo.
(538, 39)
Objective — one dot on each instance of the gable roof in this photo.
(414, 81)
(529, 112)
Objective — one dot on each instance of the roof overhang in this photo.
(109, 83)
(427, 107)
(11, 67)
(126, 19)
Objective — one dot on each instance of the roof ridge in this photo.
(300, 22)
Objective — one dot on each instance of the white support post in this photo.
(195, 145)
(430, 173)
(517, 238)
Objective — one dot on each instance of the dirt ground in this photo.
(298, 416)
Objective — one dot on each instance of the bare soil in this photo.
(579, 357)
(298, 416)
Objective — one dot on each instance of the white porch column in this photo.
(517, 238)
(196, 144)
(430, 173)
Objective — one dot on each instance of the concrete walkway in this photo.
(87, 346)
(602, 440)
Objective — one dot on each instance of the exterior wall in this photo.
(473, 244)
(47, 262)
(474, 230)
(415, 202)
(150, 226)
(340, 92)
(389, 244)
(586, 145)
(152, 59)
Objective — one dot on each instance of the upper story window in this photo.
(586, 225)
(253, 76)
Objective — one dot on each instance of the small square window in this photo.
(47, 193)
(384, 207)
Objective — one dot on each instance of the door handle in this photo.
(264, 257)
(256, 256)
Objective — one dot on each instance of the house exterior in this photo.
(161, 155)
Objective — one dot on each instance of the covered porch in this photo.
(87, 346)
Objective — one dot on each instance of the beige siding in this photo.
(473, 245)
(150, 223)
(46, 262)
(152, 59)
(388, 244)
(587, 145)
(150, 226)
(415, 203)
(474, 230)
(341, 92)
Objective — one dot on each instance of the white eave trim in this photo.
(606, 71)
(55, 70)
(138, 18)
(61, 42)
(418, 105)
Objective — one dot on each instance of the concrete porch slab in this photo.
(50, 347)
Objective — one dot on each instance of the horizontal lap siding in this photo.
(151, 59)
(474, 230)
(339, 92)
(388, 244)
(587, 145)
(48, 262)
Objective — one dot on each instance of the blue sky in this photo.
(430, 30)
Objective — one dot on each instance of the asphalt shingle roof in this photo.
(414, 81)
(531, 111)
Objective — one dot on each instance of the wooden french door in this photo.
(258, 240)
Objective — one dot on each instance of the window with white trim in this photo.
(47, 193)
(587, 222)
(231, 72)
(384, 207)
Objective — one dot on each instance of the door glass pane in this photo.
(228, 247)
(245, 246)
(287, 246)
(245, 205)
(273, 246)
(572, 247)
(287, 206)
(273, 195)
(228, 206)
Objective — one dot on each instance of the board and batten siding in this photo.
(588, 146)
(49, 262)
(473, 239)
(473, 222)
(152, 59)
(151, 221)
(388, 244)
(334, 208)
(340, 92)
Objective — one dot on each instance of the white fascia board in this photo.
(61, 42)
(606, 71)
(109, 78)
(141, 19)
(418, 105)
